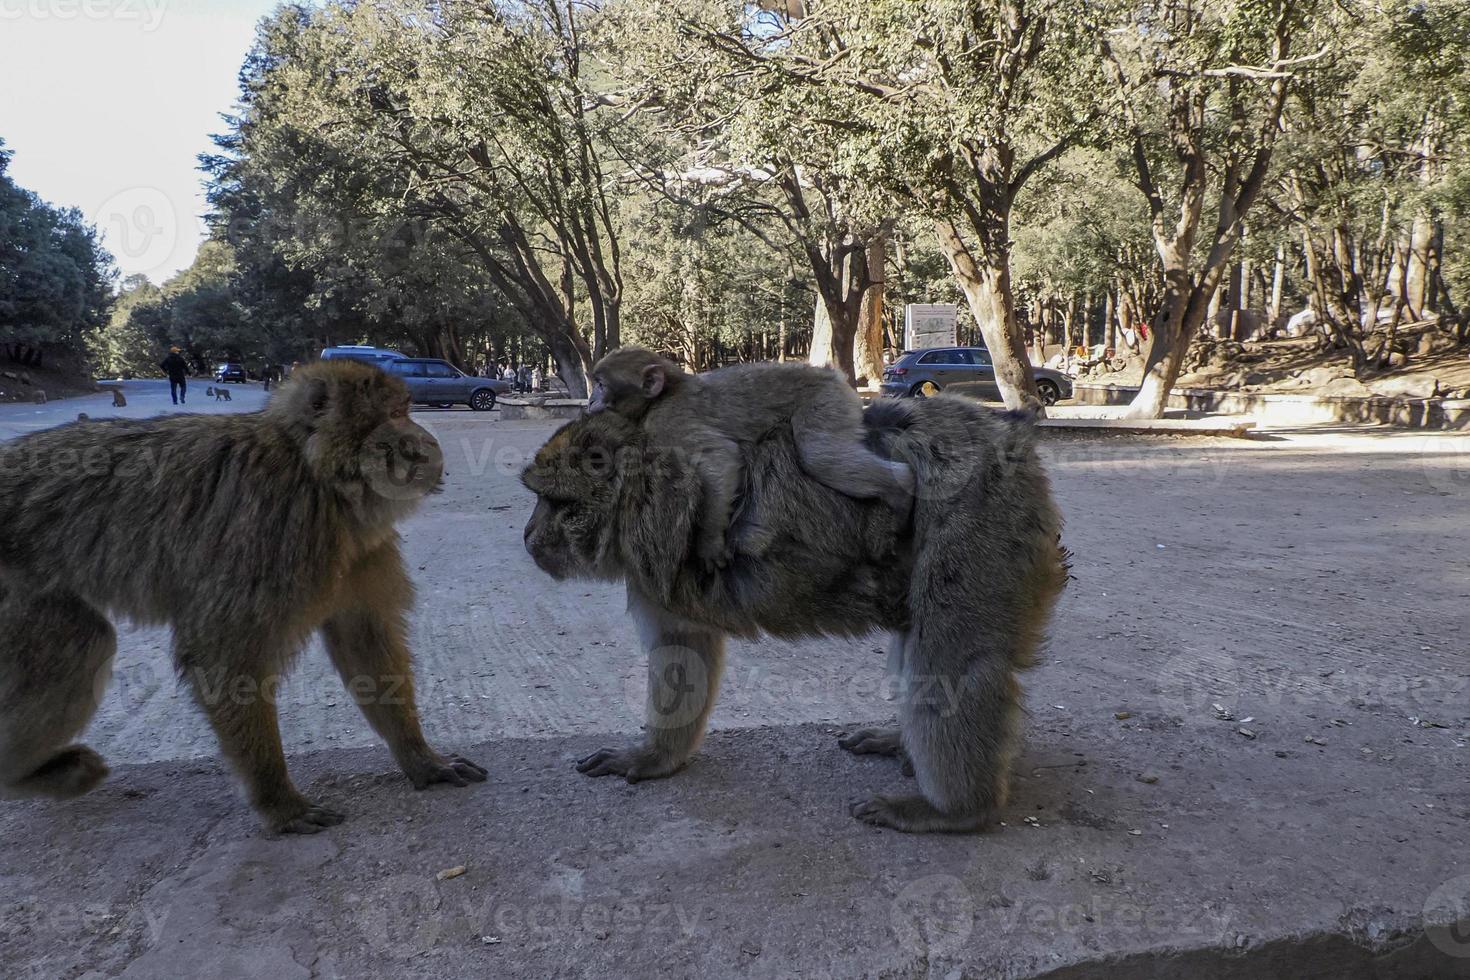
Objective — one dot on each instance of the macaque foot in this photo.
(713, 554)
(455, 770)
(298, 815)
(878, 741)
(873, 741)
(71, 772)
(633, 764)
(916, 815)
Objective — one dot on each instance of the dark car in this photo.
(230, 371)
(357, 352)
(434, 382)
(963, 371)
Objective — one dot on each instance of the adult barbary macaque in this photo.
(245, 534)
(966, 587)
(711, 417)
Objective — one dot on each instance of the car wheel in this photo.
(483, 400)
(1049, 392)
(925, 389)
(443, 404)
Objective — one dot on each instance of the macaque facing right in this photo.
(710, 415)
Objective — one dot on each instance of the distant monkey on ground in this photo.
(246, 534)
(82, 416)
(966, 588)
(712, 416)
(220, 394)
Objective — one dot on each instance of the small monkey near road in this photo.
(245, 534)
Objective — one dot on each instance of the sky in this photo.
(107, 103)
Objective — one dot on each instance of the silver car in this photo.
(434, 382)
(964, 371)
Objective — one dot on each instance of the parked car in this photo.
(230, 371)
(964, 371)
(434, 382)
(372, 355)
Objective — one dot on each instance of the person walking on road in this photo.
(177, 370)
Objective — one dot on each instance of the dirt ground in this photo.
(1300, 366)
(1250, 728)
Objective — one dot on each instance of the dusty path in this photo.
(1316, 585)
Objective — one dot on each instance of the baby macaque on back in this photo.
(710, 415)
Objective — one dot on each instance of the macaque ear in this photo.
(318, 394)
(653, 380)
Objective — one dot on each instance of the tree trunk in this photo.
(1278, 282)
(832, 337)
(1087, 323)
(987, 287)
(571, 365)
(1168, 339)
(1417, 276)
(868, 352)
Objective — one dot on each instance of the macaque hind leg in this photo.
(57, 652)
(961, 729)
(721, 470)
(829, 443)
(367, 643)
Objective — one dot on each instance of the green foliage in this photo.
(426, 170)
(54, 273)
(127, 344)
(498, 180)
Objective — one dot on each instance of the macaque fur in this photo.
(244, 533)
(965, 588)
(712, 416)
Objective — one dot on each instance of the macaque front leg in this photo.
(368, 645)
(684, 666)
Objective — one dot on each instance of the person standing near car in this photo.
(177, 370)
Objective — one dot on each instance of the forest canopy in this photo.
(726, 181)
